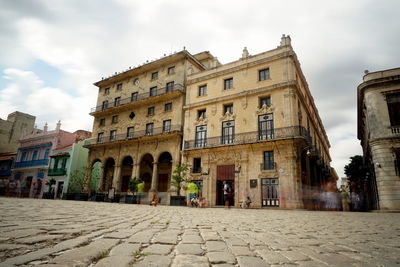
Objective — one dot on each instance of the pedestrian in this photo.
(140, 189)
(155, 200)
(192, 191)
(227, 194)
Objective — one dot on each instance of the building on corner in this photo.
(378, 105)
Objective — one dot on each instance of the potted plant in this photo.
(133, 187)
(178, 177)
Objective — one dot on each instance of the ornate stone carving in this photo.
(228, 117)
(200, 121)
(243, 101)
(214, 109)
(265, 109)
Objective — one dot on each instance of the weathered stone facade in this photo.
(267, 90)
(379, 132)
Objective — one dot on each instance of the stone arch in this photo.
(164, 171)
(126, 173)
(96, 173)
(108, 174)
(146, 170)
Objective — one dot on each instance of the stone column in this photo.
(136, 171)
(154, 179)
(116, 183)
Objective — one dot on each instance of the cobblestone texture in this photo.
(73, 233)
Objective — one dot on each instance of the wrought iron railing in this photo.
(5, 172)
(57, 171)
(250, 137)
(138, 97)
(268, 166)
(31, 163)
(134, 135)
(195, 170)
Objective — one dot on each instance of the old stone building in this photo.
(251, 122)
(379, 132)
(138, 123)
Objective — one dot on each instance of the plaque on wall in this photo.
(253, 183)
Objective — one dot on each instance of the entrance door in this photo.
(270, 192)
(125, 183)
(162, 183)
(225, 173)
(60, 188)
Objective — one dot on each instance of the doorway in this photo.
(60, 188)
(270, 192)
(225, 173)
(220, 192)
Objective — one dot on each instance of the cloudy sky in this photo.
(51, 51)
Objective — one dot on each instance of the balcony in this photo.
(195, 170)
(250, 138)
(31, 163)
(57, 172)
(395, 130)
(265, 166)
(134, 136)
(139, 97)
(5, 172)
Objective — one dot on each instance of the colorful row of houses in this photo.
(39, 163)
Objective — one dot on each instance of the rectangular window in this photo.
(104, 105)
(100, 137)
(117, 101)
(201, 136)
(46, 153)
(150, 111)
(129, 132)
(113, 135)
(114, 119)
(119, 86)
(203, 90)
(107, 91)
(171, 70)
(269, 160)
(154, 75)
(265, 127)
(228, 83)
(63, 163)
(166, 126)
(393, 102)
(169, 87)
(34, 156)
(134, 96)
(149, 128)
(265, 101)
(196, 165)
(102, 122)
(228, 132)
(168, 107)
(263, 74)
(228, 108)
(153, 91)
(24, 156)
(201, 114)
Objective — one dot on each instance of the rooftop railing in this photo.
(134, 135)
(138, 97)
(250, 137)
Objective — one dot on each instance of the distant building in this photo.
(379, 132)
(6, 163)
(16, 125)
(64, 161)
(32, 162)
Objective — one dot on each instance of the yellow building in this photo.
(251, 122)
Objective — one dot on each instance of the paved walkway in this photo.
(73, 233)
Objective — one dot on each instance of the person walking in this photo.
(227, 193)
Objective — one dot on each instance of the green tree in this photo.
(179, 176)
(78, 180)
(355, 170)
(133, 184)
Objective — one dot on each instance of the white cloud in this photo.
(26, 92)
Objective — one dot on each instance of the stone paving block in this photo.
(294, 256)
(21, 233)
(272, 257)
(235, 242)
(241, 251)
(124, 249)
(118, 235)
(216, 246)
(167, 237)
(220, 257)
(251, 261)
(37, 239)
(190, 261)
(193, 249)
(120, 261)
(86, 254)
(141, 237)
(154, 260)
(192, 239)
(160, 249)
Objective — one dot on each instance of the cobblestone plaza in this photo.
(74, 233)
